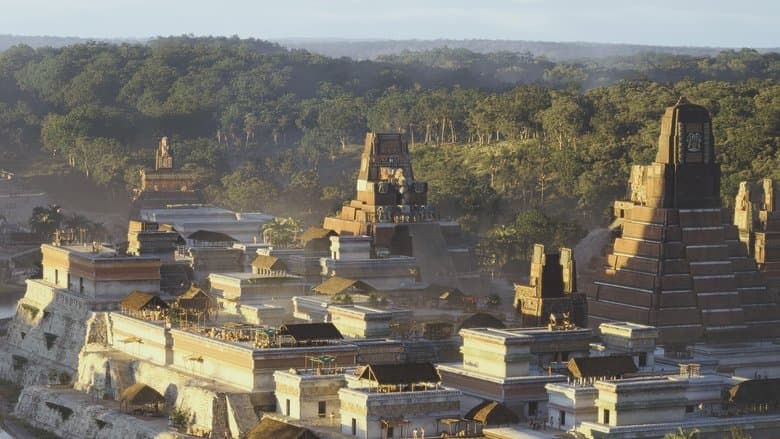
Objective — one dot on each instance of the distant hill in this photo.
(565, 51)
(374, 49)
(7, 41)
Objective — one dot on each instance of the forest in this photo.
(518, 148)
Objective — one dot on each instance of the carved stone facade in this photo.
(679, 264)
(551, 290)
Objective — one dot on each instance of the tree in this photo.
(281, 232)
(45, 220)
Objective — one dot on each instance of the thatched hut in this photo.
(492, 413)
(338, 285)
(141, 399)
(271, 428)
(143, 305)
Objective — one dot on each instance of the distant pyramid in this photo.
(677, 264)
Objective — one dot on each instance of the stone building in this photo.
(759, 229)
(98, 273)
(395, 401)
(392, 208)
(551, 290)
(358, 321)
(165, 185)
(500, 365)
(625, 338)
(678, 263)
(310, 394)
(351, 258)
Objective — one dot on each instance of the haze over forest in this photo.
(508, 140)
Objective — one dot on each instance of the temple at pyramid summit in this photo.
(165, 185)
(678, 263)
(392, 208)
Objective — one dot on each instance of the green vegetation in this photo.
(179, 418)
(683, 434)
(281, 232)
(519, 149)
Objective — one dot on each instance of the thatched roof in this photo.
(762, 391)
(137, 301)
(311, 331)
(338, 285)
(482, 320)
(313, 233)
(405, 373)
(193, 292)
(597, 367)
(210, 236)
(141, 394)
(492, 413)
(264, 262)
(271, 428)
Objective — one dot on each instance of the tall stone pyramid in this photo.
(678, 263)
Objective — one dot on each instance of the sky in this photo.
(721, 23)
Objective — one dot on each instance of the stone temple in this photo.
(165, 185)
(678, 263)
(551, 290)
(392, 207)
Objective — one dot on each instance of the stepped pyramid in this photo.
(678, 263)
(392, 207)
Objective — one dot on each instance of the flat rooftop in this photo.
(525, 335)
(362, 310)
(99, 252)
(628, 328)
(252, 276)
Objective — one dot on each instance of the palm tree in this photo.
(683, 434)
(281, 232)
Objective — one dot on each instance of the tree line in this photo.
(517, 148)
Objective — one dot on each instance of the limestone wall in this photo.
(226, 362)
(70, 415)
(139, 338)
(44, 336)
(106, 372)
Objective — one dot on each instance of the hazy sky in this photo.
(733, 23)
